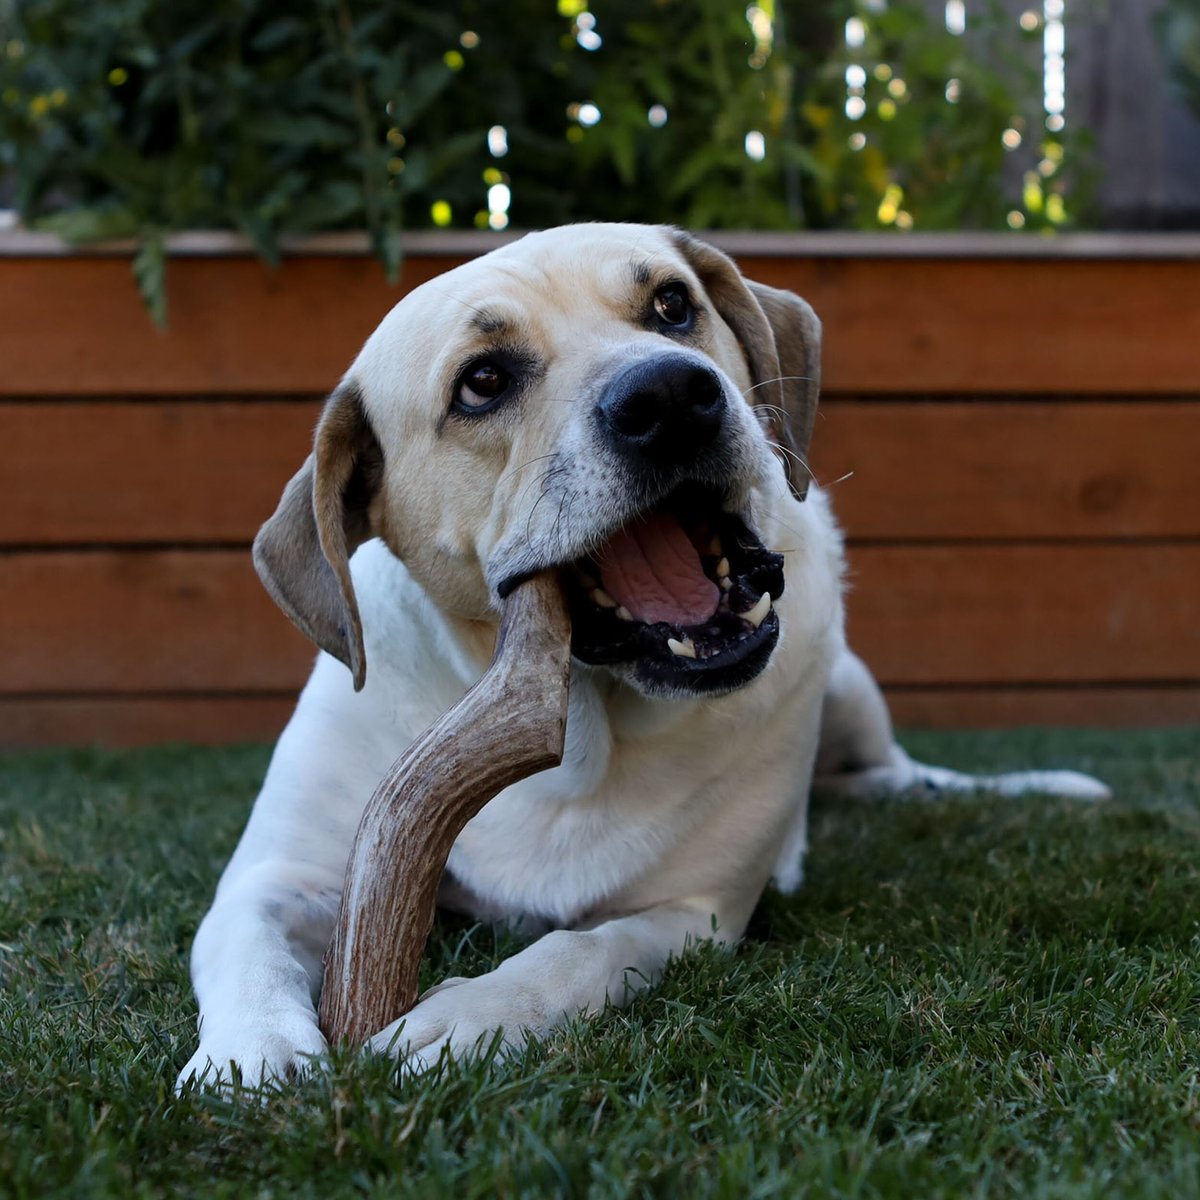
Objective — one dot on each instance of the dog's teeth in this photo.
(684, 649)
(714, 547)
(723, 569)
(726, 583)
(623, 614)
(756, 615)
(602, 598)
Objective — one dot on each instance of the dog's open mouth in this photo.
(684, 592)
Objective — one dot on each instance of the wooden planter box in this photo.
(1010, 427)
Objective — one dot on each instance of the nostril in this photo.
(636, 415)
(705, 394)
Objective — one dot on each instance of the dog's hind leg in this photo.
(859, 755)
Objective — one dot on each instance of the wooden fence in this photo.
(1010, 429)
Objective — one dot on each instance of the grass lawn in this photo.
(976, 998)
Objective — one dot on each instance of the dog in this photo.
(616, 402)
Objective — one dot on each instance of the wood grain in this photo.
(174, 471)
(75, 326)
(130, 621)
(113, 720)
(510, 725)
(1011, 469)
(161, 471)
(999, 707)
(206, 719)
(1016, 614)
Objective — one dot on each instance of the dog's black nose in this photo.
(663, 410)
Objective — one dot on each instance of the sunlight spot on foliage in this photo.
(441, 213)
(454, 60)
(1016, 220)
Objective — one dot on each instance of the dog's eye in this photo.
(482, 384)
(672, 305)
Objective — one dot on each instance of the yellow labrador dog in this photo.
(616, 401)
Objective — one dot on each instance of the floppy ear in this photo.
(781, 338)
(302, 554)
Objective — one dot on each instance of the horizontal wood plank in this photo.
(115, 720)
(131, 621)
(146, 472)
(1023, 613)
(1011, 708)
(171, 471)
(75, 326)
(1020, 469)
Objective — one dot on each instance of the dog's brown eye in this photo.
(483, 383)
(672, 304)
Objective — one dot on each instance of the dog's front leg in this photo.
(256, 966)
(564, 973)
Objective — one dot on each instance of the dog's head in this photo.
(607, 399)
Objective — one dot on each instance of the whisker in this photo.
(798, 458)
(779, 379)
(515, 470)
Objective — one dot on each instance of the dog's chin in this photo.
(711, 645)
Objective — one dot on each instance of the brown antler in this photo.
(510, 725)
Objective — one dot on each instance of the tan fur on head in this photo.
(470, 503)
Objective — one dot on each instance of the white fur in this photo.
(661, 827)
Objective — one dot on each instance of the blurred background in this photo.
(207, 206)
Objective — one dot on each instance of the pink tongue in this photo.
(652, 568)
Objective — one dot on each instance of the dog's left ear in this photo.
(781, 338)
(302, 553)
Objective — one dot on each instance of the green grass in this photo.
(969, 998)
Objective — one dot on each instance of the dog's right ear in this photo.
(302, 554)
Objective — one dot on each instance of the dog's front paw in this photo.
(255, 1056)
(461, 1016)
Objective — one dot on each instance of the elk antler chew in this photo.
(510, 725)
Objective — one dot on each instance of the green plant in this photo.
(274, 117)
(1178, 26)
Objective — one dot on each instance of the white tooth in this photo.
(685, 649)
(759, 611)
(602, 598)
(726, 583)
(714, 546)
(723, 569)
(623, 613)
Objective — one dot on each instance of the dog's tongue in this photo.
(652, 568)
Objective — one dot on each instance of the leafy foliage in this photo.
(1178, 24)
(275, 117)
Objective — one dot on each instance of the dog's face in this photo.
(601, 399)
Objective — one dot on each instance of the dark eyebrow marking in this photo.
(643, 273)
(491, 324)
